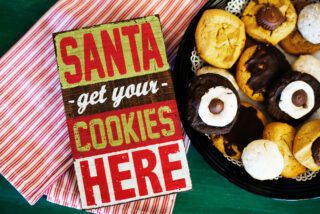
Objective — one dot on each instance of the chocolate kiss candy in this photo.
(216, 106)
(269, 17)
(299, 98)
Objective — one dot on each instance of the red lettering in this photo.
(147, 172)
(94, 62)
(99, 180)
(70, 60)
(168, 167)
(117, 177)
(114, 52)
(153, 53)
(130, 31)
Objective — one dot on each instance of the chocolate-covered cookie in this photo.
(294, 97)
(258, 67)
(248, 127)
(213, 104)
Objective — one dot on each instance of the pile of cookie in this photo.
(255, 105)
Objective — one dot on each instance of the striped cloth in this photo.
(35, 156)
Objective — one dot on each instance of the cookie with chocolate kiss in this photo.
(294, 97)
(269, 21)
(213, 104)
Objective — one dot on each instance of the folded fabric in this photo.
(34, 147)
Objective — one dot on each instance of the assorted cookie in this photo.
(262, 159)
(220, 37)
(261, 75)
(283, 135)
(307, 64)
(269, 21)
(213, 104)
(295, 43)
(248, 127)
(258, 67)
(306, 147)
(293, 97)
(309, 23)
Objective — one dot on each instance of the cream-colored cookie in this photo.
(309, 23)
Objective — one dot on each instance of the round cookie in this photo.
(295, 44)
(306, 145)
(309, 23)
(269, 21)
(294, 97)
(308, 64)
(283, 135)
(248, 127)
(220, 38)
(258, 67)
(219, 71)
(262, 160)
(213, 104)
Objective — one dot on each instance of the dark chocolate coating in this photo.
(198, 87)
(265, 65)
(315, 148)
(273, 97)
(248, 127)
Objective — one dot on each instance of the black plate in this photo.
(283, 188)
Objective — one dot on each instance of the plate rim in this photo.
(294, 196)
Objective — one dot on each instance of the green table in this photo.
(211, 192)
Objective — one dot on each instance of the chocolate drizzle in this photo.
(265, 65)
(247, 128)
(315, 148)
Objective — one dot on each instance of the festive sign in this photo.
(121, 112)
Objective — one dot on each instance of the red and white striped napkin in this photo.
(35, 156)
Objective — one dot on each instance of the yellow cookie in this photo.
(220, 38)
(306, 145)
(283, 135)
(269, 20)
(295, 44)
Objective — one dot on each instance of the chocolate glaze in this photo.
(247, 128)
(315, 148)
(265, 65)
(275, 90)
(198, 87)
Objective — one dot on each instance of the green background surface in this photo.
(211, 192)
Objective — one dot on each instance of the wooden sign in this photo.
(121, 112)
